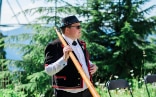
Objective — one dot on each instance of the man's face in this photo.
(73, 31)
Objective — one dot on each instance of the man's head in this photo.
(67, 21)
(71, 27)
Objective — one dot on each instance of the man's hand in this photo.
(66, 51)
(93, 68)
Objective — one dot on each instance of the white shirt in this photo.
(55, 67)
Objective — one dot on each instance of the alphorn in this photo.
(79, 68)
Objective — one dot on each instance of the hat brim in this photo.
(63, 26)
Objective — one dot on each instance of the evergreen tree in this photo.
(117, 32)
(2, 61)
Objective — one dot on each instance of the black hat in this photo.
(69, 20)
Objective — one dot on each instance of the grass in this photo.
(137, 90)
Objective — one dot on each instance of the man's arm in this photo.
(52, 64)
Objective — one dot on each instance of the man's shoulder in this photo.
(56, 41)
(81, 41)
(55, 44)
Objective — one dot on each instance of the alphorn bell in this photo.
(79, 68)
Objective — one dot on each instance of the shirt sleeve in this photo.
(55, 67)
(90, 62)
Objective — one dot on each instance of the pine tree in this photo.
(3, 66)
(117, 32)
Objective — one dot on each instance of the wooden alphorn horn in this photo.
(78, 67)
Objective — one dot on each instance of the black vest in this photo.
(68, 77)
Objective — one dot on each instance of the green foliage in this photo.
(2, 52)
(11, 93)
(30, 77)
(123, 30)
(3, 67)
(4, 73)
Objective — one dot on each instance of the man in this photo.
(66, 78)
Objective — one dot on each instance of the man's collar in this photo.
(69, 40)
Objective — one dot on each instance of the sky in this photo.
(9, 5)
(12, 6)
